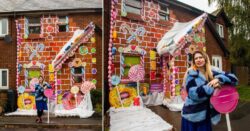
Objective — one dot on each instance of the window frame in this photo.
(129, 3)
(34, 24)
(7, 31)
(1, 84)
(215, 59)
(65, 23)
(162, 12)
(220, 29)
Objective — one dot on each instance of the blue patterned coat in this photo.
(41, 99)
(197, 106)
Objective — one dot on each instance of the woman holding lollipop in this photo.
(200, 82)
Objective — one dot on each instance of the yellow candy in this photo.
(114, 99)
(21, 101)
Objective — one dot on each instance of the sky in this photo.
(201, 4)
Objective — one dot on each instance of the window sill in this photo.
(164, 22)
(34, 36)
(133, 16)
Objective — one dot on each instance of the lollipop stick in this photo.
(76, 100)
(228, 122)
(118, 92)
(48, 110)
(138, 91)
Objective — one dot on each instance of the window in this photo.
(163, 12)
(129, 61)
(133, 6)
(217, 61)
(34, 25)
(220, 30)
(4, 78)
(63, 25)
(77, 74)
(3, 26)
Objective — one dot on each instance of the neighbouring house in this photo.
(60, 40)
(137, 26)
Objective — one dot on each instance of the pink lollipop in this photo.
(48, 93)
(136, 73)
(87, 86)
(225, 99)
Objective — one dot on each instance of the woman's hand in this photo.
(214, 83)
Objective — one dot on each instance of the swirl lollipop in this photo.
(87, 86)
(137, 73)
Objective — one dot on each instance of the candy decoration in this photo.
(21, 89)
(94, 81)
(115, 80)
(48, 93)
(123, 8)
(92, 39)
(94, 70)
(136, 73)
(116, 102)
(93, 50)
(122, 59)
(87, 86)
(26, 101)
(94, 60)
(225, 100)
(83, 50)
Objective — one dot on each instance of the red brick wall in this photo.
(8, 54)
(154, 32)
(55, 41)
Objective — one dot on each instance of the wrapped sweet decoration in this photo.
(156, 88)
(26, 101)
(127, 95)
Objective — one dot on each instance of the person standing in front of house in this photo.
(200, 81)
(41, 99)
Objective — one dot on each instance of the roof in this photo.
(45, 5)
(221, 12)
(210, 22)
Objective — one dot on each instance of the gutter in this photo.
(56, 12)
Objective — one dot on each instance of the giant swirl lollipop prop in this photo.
(225, 101)
(48, 93)
(136, 73)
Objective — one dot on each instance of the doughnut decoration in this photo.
(191, 49)
(26, 101)
(136, 73)
(127, 96)
(69, 102)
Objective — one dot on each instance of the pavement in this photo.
(239, 118)
(27, 123)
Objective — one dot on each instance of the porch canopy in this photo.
(79, 37)
(175, 39)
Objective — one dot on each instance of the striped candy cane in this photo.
(26, 78)
(121, 65)
(173, 78)
(142, 61)
(55, 75)
(164, 75)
